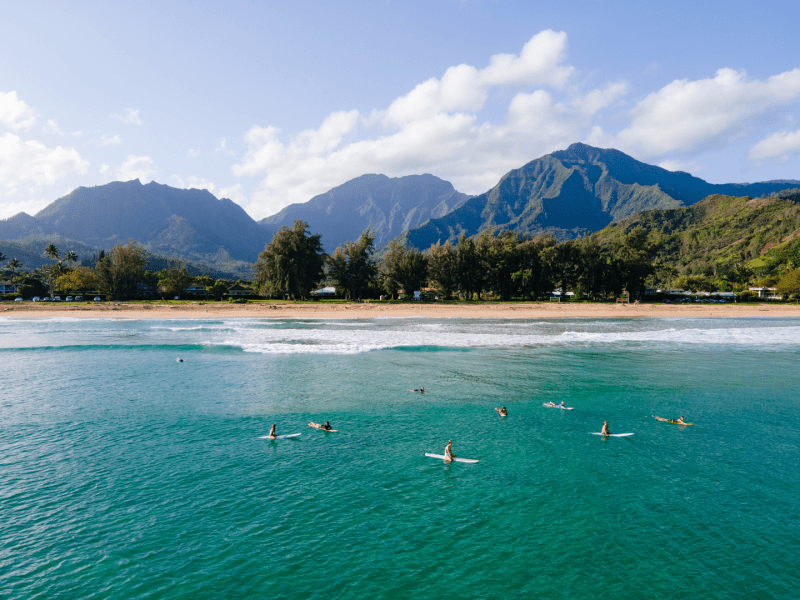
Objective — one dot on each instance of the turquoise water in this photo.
(124, 474)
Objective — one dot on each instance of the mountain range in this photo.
(569, 193)
(577, 191)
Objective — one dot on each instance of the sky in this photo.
(271, 103)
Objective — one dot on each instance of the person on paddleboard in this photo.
(272, 431)
(605, 430)
(502, 411)
(448, 451)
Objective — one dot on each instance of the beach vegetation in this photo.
(292, 263)
(122, 270)
(352, 267)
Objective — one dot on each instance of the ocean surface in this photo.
(127, 474)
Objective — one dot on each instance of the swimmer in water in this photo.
(502, 411)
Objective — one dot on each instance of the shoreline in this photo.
(277, 310)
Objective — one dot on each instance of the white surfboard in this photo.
(455, 459)
(279, 437)
(558, 406)
(612, 434)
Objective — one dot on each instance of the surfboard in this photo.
(673, 421)
(455, 459)
(318, 426)
(612, 434)
(558, 406)
(279, 437)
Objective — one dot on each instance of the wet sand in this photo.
(542, 310)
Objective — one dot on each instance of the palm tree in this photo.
(3, 258)
(14, 264)
(52, 252)
(70, 257)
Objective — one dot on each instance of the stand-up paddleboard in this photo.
(279, 437)
(551, 405)
(673, 421)
(611, 434)
(455, 459)
(321, 428)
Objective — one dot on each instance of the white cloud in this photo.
(107, 140)
(194, 182)
(692, 116)
(681, 165)
(9, 209)
(31, 161)
(434, 128)
(233, 192)
(14, 113)
(104, 169)
(222, 146)
(52, 127)
(142, 168)
(778, 145)
(131, 116)
(192, 153)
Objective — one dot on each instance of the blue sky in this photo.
(269, 103)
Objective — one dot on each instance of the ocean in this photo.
(127, 474)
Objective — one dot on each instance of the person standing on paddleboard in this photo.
(605, 430)
(448, 451)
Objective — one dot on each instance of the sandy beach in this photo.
(542, 310)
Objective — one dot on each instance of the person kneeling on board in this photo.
(272, 432)
(448, 451)
(604, 430)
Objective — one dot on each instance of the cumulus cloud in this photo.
(52, 127)
(107, 140)
(14, 113)
(433, 128)
(692, 116)
(777, 145)
(130, 116)
(31, 161)
(9, 209)
(192, 153)
(142, 168)
(193, 182)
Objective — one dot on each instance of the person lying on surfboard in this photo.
(550, 403)
(448, 451)
(604, 430)
(272, 432)
(502, 411)
(562, 404)
(420, 390)
(327, 426)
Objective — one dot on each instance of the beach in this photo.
(367, 310)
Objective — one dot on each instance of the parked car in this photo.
(78, 298)
(57, 299)
(69, 298)
(17, 299)
(37, 299)
(97, 299)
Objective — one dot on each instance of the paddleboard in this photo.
(612, 434)
(558, 406)
(321, 428)
(673, 421)
(279, 437)
(456, 459)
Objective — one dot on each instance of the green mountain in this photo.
(721, 234)
(191, 225)
(389, 206)
(574, 192)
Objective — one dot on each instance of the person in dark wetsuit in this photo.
(327, 426)
(420, 390)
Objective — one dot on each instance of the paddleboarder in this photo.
(448, 451)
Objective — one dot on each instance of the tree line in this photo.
(501, 263)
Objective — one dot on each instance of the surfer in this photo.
(562, 404)
(272, 432)
(680, 420)
(448, 451)
(421, 390)
(604, 430)
(327, 426)
(502, 411)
